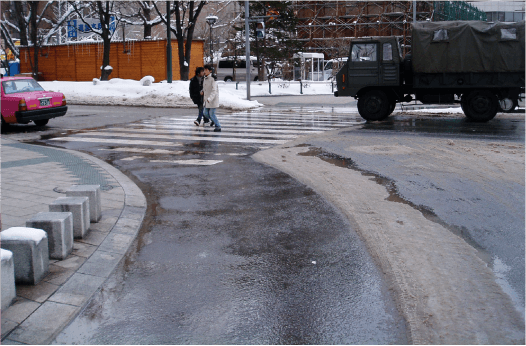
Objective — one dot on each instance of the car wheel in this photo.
(4, 124)
(41, 122)
(374, 105)
(256, 79)
(480, 105)
(228, 79)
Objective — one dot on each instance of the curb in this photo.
(51, 317)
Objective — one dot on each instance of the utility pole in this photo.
(168, 44)
(414, 12)
(247, 48)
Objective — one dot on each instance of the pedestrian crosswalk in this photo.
(169, 134)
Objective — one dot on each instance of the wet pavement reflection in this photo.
(232, 251)
(458, 127)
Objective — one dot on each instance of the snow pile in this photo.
(128, 92)
(5, 255)
(147, 80)
(23, 233)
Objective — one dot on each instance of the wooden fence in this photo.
(132, 60)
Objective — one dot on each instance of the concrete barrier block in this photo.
(8, 278)
(59, 229)
(94, 195)
(79, 207)
(30, 253)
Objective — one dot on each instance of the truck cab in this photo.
(373, 62)
(373, 75)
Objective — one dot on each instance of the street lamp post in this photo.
(168, 45)
(211, 20)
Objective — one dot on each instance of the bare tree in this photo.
(186, 14)
(104, 10)
(140, 13)
(34, 26)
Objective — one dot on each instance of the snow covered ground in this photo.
(129, 92)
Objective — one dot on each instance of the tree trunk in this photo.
(105, 73)
(147, 27)
(34, 37)
(22, 25)
(183, 70)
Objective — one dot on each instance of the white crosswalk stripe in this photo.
(250, 129)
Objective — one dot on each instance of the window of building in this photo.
(518, 16)
(500, 16)
(508, 16)
(489, 16)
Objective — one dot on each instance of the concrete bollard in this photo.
(79, 207)
(30, 253)
(93, 193)
(59, 229)
(8, 279)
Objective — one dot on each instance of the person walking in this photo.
(211, 98)
(196, 93)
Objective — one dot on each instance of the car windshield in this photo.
(21, 86)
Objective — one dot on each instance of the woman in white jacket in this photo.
(211, 97)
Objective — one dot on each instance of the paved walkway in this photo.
(33, 177)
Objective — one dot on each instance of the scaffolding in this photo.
(328, 26)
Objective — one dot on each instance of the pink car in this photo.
(24, 100)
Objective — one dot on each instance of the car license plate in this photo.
(45, 102)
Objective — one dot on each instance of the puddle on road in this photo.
(395, 196)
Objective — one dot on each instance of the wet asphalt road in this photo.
(233, 252)
(487, 213)
(237, 252)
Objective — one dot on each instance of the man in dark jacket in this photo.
(196, 93)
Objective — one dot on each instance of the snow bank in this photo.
(5, 255)
(23, 233)
(128, 92)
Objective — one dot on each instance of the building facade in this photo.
(502, 11)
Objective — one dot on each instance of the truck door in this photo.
(363, 65)
(389, 70)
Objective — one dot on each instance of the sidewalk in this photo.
(33, 177)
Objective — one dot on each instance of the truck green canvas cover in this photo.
(468, 46)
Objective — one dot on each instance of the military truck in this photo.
(477, 64)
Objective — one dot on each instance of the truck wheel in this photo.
(480, 105)
(374, 105)
(41, 122)
(393, 106)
